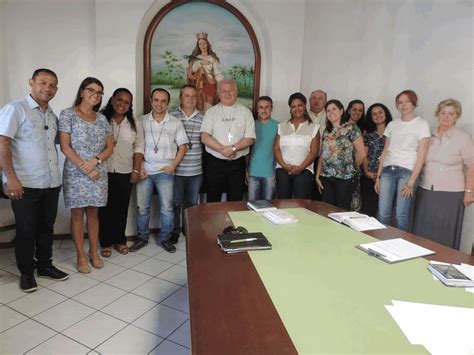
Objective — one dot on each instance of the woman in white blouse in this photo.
(123, 168)
(296, 146)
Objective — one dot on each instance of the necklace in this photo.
(230, 136)
(155, 149)
(184, 115)
(118, 132)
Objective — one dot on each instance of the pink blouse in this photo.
(444, 165)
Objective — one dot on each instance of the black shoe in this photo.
(137, 245)
(168, 246)
(174, 238)
(51, 272)
(28, 283)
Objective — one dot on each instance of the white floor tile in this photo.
(174, 258)
(64, 315)
(128, 280)
(178, 300)
(57, 243)
(161, 320)
(129, 307)
(176, 274)
(12, 269)
(24, 337)
(44, 281)
(182, 335)
(37, 302)
(7, 260)
(6, 277)
(69, 265)
(181, 244)
(94, 329)
(169, 348)
(9, 318)
(69, 244)
(76, 284)
(6, 250)
(152, 266)
(130, 340)
(183, 263)
(99, 296)
(10, 292)
(108, 271)
(156, 289)
(127, 261)
(150, 250)
(59, 344)
(62, 254)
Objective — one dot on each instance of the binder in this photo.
(236, 243)
(394, 250)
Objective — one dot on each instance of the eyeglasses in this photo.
(94, 92)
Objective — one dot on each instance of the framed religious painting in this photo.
(201, 43)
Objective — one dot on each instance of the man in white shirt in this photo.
(228, 130)
(165, 147)
(317, 101)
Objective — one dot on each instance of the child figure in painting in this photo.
(204, 72)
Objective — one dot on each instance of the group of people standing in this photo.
(346, 158)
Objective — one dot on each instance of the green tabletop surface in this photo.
(331, 295)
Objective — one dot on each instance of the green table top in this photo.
(331, 295)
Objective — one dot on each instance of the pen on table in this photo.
(243, 240)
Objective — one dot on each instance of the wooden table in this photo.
(230, 309)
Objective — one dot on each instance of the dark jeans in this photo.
(297, 186)
(225, 176)
(338, 192)
(186, 194)
(35, 215)
(113, 216)
(370, 199)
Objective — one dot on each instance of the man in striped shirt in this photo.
(188, 174)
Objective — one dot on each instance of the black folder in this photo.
(240, 242)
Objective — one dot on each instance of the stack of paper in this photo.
(358, 221)
(440, 329)
(260, 205)
(466, 269)
(394, 250)
(280, 217)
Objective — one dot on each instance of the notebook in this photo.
(260, 205)
(240, 242)
(394, 250)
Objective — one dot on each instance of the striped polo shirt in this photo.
(191, 165)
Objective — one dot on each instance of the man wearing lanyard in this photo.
(29, 160)
(227, 131)
(188, 174)
(165, 147)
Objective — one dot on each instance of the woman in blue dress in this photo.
(86, 140)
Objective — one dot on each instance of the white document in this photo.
(357, 221)
(280, 217)
(394, 250)
(440, 329)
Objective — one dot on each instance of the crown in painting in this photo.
(201, 35)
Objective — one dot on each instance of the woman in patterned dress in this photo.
(86, 141)
(341, 154)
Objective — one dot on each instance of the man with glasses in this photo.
(29, 160)
(227, 131)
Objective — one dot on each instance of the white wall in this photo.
(372, 50)
(369, 49)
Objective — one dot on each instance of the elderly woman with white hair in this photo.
(447, 180)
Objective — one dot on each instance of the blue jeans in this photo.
(164, 185)
(262, 188)
(392, 180)
(186, 194)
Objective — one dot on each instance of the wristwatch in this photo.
(234, 149)
(98, 160)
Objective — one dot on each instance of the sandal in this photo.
(96, 261)
(121, 248)
(106, 252)
(82, 266)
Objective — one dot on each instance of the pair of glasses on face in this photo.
(234, 230)
(94, 92)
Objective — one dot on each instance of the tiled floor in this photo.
(136, 304)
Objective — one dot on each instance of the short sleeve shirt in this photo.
(228, 125)
(404, 141)
(338, 152)
(33, 132)
(375, 145)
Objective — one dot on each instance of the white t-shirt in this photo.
(295, 145)
(404, 140)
